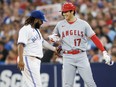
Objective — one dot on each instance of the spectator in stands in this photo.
(108, 19)
(113, 53)
(94, 23)
(101, 22)
(5, 32)
(93, 55)
(100, 16)
(114, 25)
(3, 52)
(11, 58)
(110, 33)
(107, 43)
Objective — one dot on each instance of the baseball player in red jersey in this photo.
(73, 33)
(30, 49)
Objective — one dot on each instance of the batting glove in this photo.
(54, 37)
(107, 58)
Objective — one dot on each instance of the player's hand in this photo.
(59, 49)
(107, 58)
(54, 38)
(21, 65)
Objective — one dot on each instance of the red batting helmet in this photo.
(67, 7)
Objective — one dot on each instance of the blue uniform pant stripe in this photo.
(30, 71)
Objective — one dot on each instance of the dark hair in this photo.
(70, 11)
(29, 20)
(73, 13)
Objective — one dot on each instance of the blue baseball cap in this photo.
(38, 14)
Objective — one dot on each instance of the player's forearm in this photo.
(97, 42)
(48, 46)
(20, 51)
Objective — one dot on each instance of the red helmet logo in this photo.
(68, 6)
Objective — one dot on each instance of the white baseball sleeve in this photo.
(48, 46)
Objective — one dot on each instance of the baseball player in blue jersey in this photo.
(73, 33)
(30, 49)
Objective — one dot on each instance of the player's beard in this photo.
(37, 25)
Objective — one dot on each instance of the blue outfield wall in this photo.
(51, 74)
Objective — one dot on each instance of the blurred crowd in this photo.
(100, 14)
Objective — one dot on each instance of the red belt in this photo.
(72, 52)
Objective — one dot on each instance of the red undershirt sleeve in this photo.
(97, 42)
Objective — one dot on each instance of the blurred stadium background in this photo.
(101, 15)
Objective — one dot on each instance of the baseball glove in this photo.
(59, 49)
